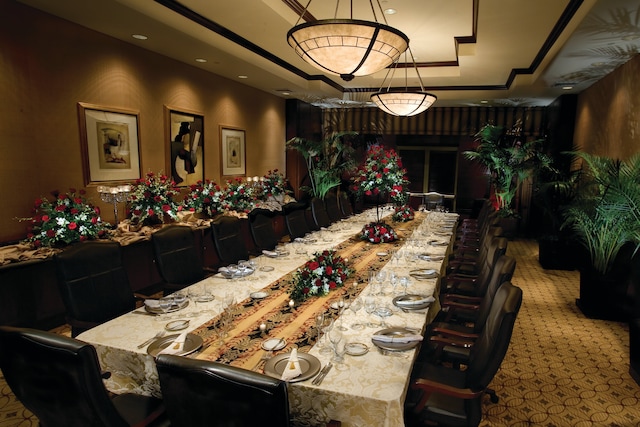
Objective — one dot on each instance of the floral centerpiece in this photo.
(403, 213)
(204, 197)
(238, 196)
(152, 199)
(68, 219)
(381, 173)
(272, 184)
(324, 272)
(378, 232)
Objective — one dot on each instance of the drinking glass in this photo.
(338, 343)
(179, 298)
(380, 278)
(165, 304)
(383, 311)
(370, 307)
(404, 282)
(354, 307)
(393, 279)
(341, 307)
(319, 326)
(327, 326)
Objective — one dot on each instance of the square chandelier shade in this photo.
(347, 47)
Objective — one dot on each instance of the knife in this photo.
(323, 373)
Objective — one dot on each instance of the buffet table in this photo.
(367, 389)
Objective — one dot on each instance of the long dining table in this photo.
(367, 389)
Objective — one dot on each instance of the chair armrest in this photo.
(459, 305)
(449, 341)
(436, 387)
(452, 332)
(474, 301)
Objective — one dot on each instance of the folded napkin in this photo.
(397, 338)
(176, 346)
(416, 301)
(271, 254)
(152, 303)
(292, 370)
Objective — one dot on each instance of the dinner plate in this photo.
(424, 273)
(438, 243)
(408, 302)
(259, 294)
(177, 325)
(395, 346)
(191, 343)
(356, 349)
(427, 257)
(309, 365)
(173, 308)
(273, 344)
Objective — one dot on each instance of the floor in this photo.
(562, 369)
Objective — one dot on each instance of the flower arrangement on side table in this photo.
(324, 272)
(382, 172)
(272, 184)
(204, 197)
(68, 219)
(378, 232)
(152, 199)
(403, 213)
(238, 196)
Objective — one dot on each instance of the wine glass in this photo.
(383, 311)
(380, 278)
(319, 325)
(165, 304)
(404, 282)
(370, 307)
(354, 307)
(342, 305)
(179, 298)
(327, 326)
(338, 343)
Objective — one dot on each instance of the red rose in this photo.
(38, 203)
(94, 220)
(61, 208)
(78, 200)
(368, 192)
(83, 238)
(72, 226)
(313, 265)
(44, 218)
(166, 208)
(150, 212)
(157, 198)
(305, 290)
(332, 285)
(329, 270)
(83, 191)
(74, 211)
(137, 212)
(319, 283)
(51, 233)
(37, 243)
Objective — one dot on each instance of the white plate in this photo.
(309, 365)
(177, 325)
(273, 344)
(259, 294)
(356, 349)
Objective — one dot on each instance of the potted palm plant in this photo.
(605, 219)
(509, 161)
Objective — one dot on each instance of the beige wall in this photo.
(608, 116)
(48, 65)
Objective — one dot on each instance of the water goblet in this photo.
(404, 282)
(380, 278)
(383, 311)
(165, 304)
(354, 307)
(338, 343)
(179, 298)
(319, 326)
(327, 326)
(370, 307)
(342, 305)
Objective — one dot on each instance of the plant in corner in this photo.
(605, 218)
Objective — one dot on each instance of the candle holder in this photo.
(114, 195)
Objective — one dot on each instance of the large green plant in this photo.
(509, 161)
(605, 215)
(326, 160)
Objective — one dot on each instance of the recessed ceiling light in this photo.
(201, 60)
(243, 77)
(139, 36)
(484, 101)
(390, 11)
(567, 87)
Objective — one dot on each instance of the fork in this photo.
(150, 340)
(265, 356)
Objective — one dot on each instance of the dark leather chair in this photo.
(177, 257)
(198, 393)
(59, 379)
(319, 213)
(262, 229)
(93, 284)
(296, 221)
(345, 205)
(444, 395)
(228, 238)
(332, 206)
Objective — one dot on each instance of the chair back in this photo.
(228, 238)
(93, 284)
(262, 229)
(176, 256)
(345, 205)
(502, 272)
(319, 213)
(296, 222)
(199, 393)
(57, 378)
(332, 206)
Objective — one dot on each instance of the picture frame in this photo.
(109, 143)
(232, 151)
(184, 155)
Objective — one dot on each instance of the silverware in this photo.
(150, 340)
(265, 356)
(144, 313)
(323, 373)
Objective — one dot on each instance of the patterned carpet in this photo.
(562, 369)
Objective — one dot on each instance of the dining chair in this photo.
(228, 238)
(93, 284)
(177, 257)
(443, 395)
(199, 392)
(262, 230)
(59, 379)
(296, 221)
(319, 213)
(332, 206)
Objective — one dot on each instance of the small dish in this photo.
(356, 349)
(274, 344)
(382, 253)
(177, 325)
(266, 268)
(423, 273)
(259, 294)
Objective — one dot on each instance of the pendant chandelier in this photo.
(405, 102)
(347, 47)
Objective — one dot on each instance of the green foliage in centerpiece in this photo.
(68, 219)
(204, 197)
(152, 199)
(324, 272)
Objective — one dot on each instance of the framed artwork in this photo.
(110, 143)
(184, 131)
(232, 151)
